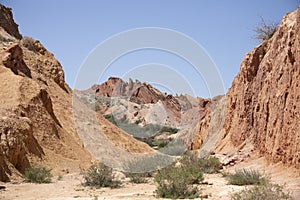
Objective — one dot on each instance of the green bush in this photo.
(161, 143)
(30, 44)
(176, 147)
(38, 175)
(100, 175)
(137, 177)
(177, 182)
(207, 165)
(147, 132)
(262, 192)
(4, 39)
(168, 130)
(148, 163)
(246, 177)
(111, 118)
(265, 30)
(138, 121)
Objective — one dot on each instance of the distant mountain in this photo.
(143, 111)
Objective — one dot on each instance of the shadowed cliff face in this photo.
(7, 22)
(263, 103)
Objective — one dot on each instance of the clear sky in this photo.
(72, 29)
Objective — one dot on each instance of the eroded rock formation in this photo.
(263, 103)
(8, 23)
(33, 128)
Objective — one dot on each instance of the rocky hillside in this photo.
(141, 110)
(7, 23)
(263, 103)
(36, 116)
(140, 93)
(264, 100)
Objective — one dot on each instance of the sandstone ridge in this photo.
(263, 104)
(35, 107)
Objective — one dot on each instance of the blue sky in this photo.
(72, 29)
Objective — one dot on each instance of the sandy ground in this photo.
(70, 187)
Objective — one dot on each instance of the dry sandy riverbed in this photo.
(70, 187)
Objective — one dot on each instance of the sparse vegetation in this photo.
(246, 177)
(160, 143)
(265, 30)
(168, 130)
(210, 165)
(59, 177)
(175, 147)
(110, 117)
(138, 121)
(177, 182)
(100, 175)
(148, 163)
(145, 133)
(137, 177)
(141, 131)
(38, 175)
(29, 43)
(262, 192)
(4, 39)
(207, 165)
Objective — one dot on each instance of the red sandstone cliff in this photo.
(263, 103)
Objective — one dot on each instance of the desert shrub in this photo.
(137, 177)
(207, 164)
(196, 176)
(177, 182)
(60, 177)
(4, 39)
(111, 118)
(148, 163)
(97, 106)
(140, 132)
(100, 175)
(188, 157)
(168, 130)
(161, 143)
(138, 121)
(29, 43)
(246, 177)
(175, 147)
(262, 192)
(265, 30)
(38, 175)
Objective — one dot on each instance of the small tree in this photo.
(265, 30)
